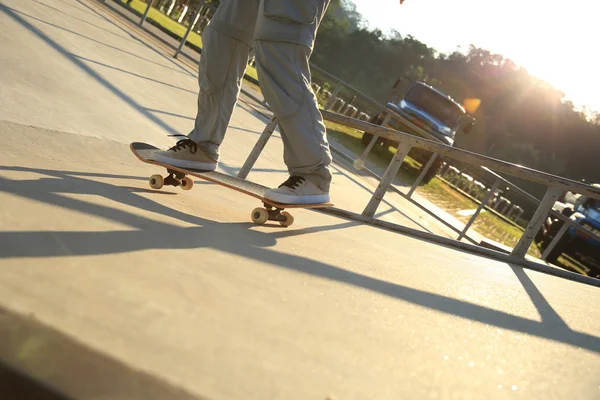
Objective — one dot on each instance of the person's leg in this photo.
(222, 66)
(285, 82)
(283, 44)
(227, 45)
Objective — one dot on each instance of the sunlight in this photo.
(553, 40)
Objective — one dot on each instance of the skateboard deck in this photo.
(272, 211)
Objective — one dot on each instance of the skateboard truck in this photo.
(261, 215)
(175, 178)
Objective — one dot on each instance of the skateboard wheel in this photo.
(289, 219)
(260, 216)
(156, 181)
(187, 183)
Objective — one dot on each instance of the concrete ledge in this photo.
(15, 384)
(41, 361)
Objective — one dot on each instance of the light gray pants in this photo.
(280, 34)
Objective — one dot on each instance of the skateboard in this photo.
(271, 211)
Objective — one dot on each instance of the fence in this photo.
(555, 187)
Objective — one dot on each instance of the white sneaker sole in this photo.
(185, 164)
(286, 199)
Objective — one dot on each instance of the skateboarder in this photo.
(280, 34)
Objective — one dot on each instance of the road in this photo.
(111, 290)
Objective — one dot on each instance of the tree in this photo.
(522, 119)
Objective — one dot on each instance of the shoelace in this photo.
(293, 182)
(184, 144)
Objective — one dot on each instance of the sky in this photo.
(558, 41)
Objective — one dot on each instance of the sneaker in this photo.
(185, 154)
(297, 190)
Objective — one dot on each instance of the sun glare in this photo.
(554, 40)
(557, 45)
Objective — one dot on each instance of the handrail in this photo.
(526, 194)
(465, 155)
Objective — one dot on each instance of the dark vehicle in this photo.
(581, 246)
(426, 112)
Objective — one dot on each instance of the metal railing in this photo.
(556, 185)
(389, 114)
(498, 180)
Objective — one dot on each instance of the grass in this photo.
(487, 224)
(251, 71)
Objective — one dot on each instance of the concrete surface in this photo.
(111, 290)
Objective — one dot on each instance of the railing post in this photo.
(331, 100)
(386, 179)
(359, 163)
(561, 232)
(536, 221)
(146, 12)
(484, 202)
(424, 172)
(188, 31)
(258, 148)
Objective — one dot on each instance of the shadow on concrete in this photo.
(136, 75)
(171, 114)
(48, 359)
(83, 10)
(127, 38)
(233, 238)
(15, 384)
(14, 14)
(547, 313)
(170, 59)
